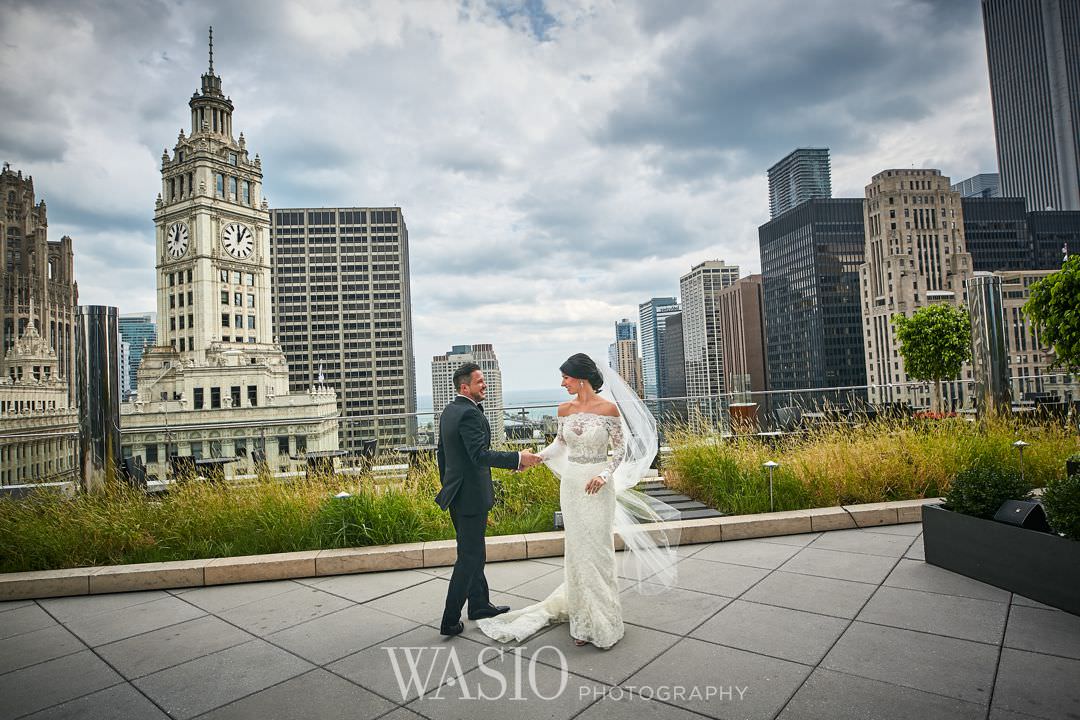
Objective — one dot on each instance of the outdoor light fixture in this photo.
(558, 520)
(771, 466)
(1020, 445)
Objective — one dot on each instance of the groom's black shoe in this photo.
(489, 611)
(455, 629)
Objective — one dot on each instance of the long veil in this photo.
(640, 520)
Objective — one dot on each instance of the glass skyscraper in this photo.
(139, 330)
(802, 175)
(651, 316)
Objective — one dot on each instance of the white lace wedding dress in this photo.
(589, 595)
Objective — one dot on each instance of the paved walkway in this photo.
(845, 624)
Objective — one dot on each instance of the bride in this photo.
(596, 496)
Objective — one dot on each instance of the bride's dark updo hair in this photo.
(581, 367)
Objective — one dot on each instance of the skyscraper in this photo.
(651, 315)
(983, 185)
(1033, 55)
(915, 256)
(216, 384)
(343, 313)
(673, 377)
(139, 330)
(625, 329)
(443, 391)
(742, 335)
(37, 275)
(628, 364)
(801, 175)
(702, 345)
(810, 258)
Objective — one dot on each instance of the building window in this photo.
(283, 446)
(249, 279)
(232, 159)
(223, 276)
(215, 397)
(234, 392)
(220, 184)
(251, 322)
(251, 300)
(236, 277)
(196, 450)
(238, 299)
(232, 187)
(253, 395)
(224, 321)
(224, 297)
(247, 193)
(151, 454)
(181, 342)
(238, 321)
(197, 398)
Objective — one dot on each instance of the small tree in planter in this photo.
(1061, 498)
(1052, 307)
(981, 489)
(935, 342)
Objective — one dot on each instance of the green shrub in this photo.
(1061, 498)
(980, 490)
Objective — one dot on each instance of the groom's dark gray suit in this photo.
(465, 461)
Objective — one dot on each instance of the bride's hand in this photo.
(593, 486)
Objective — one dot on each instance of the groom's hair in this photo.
(463, 376)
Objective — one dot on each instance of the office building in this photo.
(803, 174)
(1033, 55)
(215, 386)
(628, 365)
(139, 331)
(443, 391)
(343, 313)
(651, 316)
(810, 258)
(702, 344)
(673, 368)
(983, 185)
(35, 270)
(741, 308)
(1002, 235)
(916, 256)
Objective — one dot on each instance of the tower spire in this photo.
(211, 49)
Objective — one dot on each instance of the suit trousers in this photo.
(468, 581)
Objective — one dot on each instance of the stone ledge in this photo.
(440, 553)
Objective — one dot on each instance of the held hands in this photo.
(593, 486)
(528, 459)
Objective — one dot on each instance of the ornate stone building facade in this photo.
(216, 384)
(32, 266)
(38, 424)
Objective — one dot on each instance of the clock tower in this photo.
(217, 382)
(213, 235)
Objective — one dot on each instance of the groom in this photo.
(465, 462)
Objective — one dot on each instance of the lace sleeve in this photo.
(618, 446)
(550, 450)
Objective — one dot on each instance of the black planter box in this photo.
(1037, 565)
(1072, 467)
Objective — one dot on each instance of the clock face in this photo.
(238, 240)
(176, 240)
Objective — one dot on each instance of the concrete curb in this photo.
(319, 563)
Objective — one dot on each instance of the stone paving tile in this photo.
(958, 617)
(828, 596)
(317, 694)
(557, 560)
(421, 603)
(618, 704)
(840, 565)
(1041, 685)
(1043, 631)
(12, 604)
(916, 551)
(676, 611)
(335, 635)
(106, 627)
(999, 714)
(754, 553)
(73, 608)
(863, 541)
(56, 681)
(542, 586)
(500, 682)
(401, 714)
(829, 695)
(206, 683)
(218, 598)
(695, 664)
(368, 586)
(156, 650)
(717, 578)
(269, 615)
(910, 529)
(637, 648)
(780, 632)
(30, 648)
(1028, 602)
(119, 702)
(917, 575)
(960, 669)
(435, 656)
(801, 540)
(505, 576)
(27, 618)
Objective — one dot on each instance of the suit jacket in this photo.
(465, 459)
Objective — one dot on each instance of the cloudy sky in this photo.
(557, 162)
